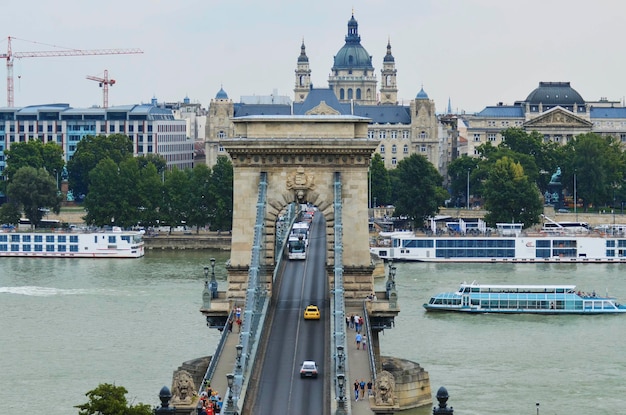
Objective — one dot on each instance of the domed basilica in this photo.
(352, 90)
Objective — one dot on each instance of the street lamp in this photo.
(206, 294)
(537, 405)
(213, 281)
(230, 408)
(468, 203)
(239, 348)
(576, 212)
(341, 382)
(57, 175)
(340, 357)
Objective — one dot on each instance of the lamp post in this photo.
(213, 286)
(206, 294)
(467, 205)
(341, 383)
(340, 357)
(57, 175)
(230, 407)
(575, 208)
(239, 348)
(537, 405)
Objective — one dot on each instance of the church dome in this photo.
(551, 94)
(353, 55)
(422, 94)
(221, 94)
(388, 57)
(303, 58)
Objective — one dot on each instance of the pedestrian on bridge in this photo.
(356, 390)
(358, 339)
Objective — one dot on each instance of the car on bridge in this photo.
(308, 369)
(312, 312)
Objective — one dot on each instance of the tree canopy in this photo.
(89, 152)
(510, 196)
(380, 181)
(108, 399)
(417, 189)
(36, 154)
(35, 191)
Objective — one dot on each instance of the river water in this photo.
(506, 364)
(68, 325)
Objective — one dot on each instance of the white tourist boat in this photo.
(66, 244)
(523, 299)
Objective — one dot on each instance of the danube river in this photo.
(506, 364)
(70, 324)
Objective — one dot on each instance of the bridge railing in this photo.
(210, 371)
(368, 330)
(338, 325)
(255, 308)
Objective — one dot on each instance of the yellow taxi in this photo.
(311, 312)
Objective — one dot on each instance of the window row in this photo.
(393, 134)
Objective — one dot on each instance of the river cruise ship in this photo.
(503, 247)
(523, 299)
(106, 244)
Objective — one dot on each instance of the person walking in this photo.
(356, 390)
(362, 386)
(358, 339)
(369, 387)
(364, 342)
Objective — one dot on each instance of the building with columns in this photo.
(554, 109)
(353, 89)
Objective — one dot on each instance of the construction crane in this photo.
(104, 84)
(10, 56)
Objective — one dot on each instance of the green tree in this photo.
(598, 163)
(34, 153)
(89, 152)
(544, 156)
(150, 189)
(510, 196)
(458, 171)
(158, 161)
(222, 193)
(108, 399)
(35, 191)
(417, 189)
(103, 203)
(10, 213)
(381, 184)
(200, 198)
(177, 190)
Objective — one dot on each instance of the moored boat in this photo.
(523, 299)
(525, 247)
(106, 244)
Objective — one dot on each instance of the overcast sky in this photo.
(473, 52)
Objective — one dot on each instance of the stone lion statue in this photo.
(183, 388)
(384, 388)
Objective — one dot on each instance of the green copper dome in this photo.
(352, 55)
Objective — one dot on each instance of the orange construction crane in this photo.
(104, 84)
(10, 56)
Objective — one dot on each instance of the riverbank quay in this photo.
(188, 240)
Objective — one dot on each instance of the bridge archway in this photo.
(300, 155)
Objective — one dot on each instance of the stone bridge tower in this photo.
(300, 155)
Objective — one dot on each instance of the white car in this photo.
(308, 369)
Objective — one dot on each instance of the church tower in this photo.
(352, 76)
(218, 126)
(388, 85)
(424, 128)
(303, 76)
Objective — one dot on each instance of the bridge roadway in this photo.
(289, 339)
